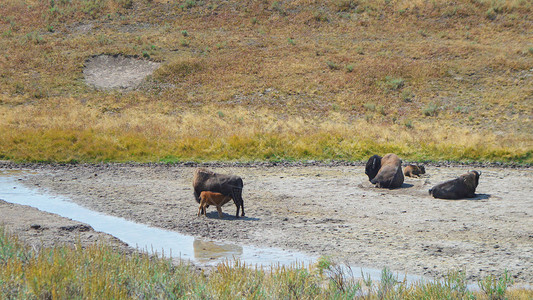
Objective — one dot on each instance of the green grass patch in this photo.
(92, 146)
(99, 271)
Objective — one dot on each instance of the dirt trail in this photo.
(325, 210)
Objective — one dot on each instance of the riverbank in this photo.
(324, 211)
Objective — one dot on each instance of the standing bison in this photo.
(386, 171)
(227, 185)
(463, 186)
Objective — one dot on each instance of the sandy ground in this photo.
(320, 210)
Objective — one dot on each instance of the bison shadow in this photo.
(478, 197)
(368, 185)
(228, 217)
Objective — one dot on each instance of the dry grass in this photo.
(99, 271)
(270, 80)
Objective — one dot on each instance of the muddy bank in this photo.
(325, 210)
(41, 229)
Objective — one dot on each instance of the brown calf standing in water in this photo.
(209, 198)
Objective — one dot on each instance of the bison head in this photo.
(422, 169)
(475, 178)
(372, 166)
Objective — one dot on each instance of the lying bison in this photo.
(227, 185)
(463, 186)
(386, 171)
(414, 171)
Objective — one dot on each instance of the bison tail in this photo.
(431, 191)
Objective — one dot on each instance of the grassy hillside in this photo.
(270, 80)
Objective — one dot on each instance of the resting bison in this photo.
(227, 185)
(414, 171)
(463, 186)
(386, 171)
(210, 198)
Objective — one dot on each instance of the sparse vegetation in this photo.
(291, 41)
(431, 110)
(99, 271)
(349, 68)
(332, 65)
(370, 106)
(389, 52)
(393, 84)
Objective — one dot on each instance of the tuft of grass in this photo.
(496, 287)
(431, 110)
(349, 68)
(370, 106)
(381, 110)
(332, 65)
(407, 95)
(35, 38)
(392, 83)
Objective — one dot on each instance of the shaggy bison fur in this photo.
(386, 171)
(227, 185)
(414, 170)
(462, 187)
(210, 198)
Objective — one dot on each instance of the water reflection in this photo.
(150, 239)
(206, 251)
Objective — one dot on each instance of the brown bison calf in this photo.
(463, 186)
(209, 198)
(414, 171)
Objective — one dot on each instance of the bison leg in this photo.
(201, 207)
(204, 209)
(239, 203)
(219, 209)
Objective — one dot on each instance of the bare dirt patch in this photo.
(117, 71)
(325, 210)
